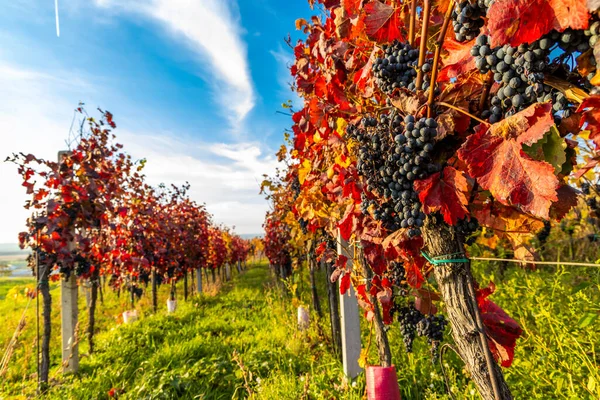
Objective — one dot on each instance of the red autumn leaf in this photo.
(382, 22)
(317, 113)
(425, 305)
(337, 94)
(384, 297)
(29, 187)
(590, 119)
(567, 199)
(363, 78)
(41, 194)
(352, 7)
(361, 293)
(494, 156)
(346, 225)
(524, 21)
(398, 245)
(341, 261)
(501, 329)
(414, 277)
(321, 248)
(446, 192)
(345, 283)
(375, 256)
(351, 189)
(570, 14)
(458, 61)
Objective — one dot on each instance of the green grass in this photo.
(6, 284)
(190, 354)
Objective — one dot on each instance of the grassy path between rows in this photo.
(237, 343)
(242, 342)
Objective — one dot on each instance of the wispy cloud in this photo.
(36, 110)
(212, 29)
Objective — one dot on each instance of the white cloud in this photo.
(31, 121)
(36, 110)
(211, 29)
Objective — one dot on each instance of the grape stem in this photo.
(413, 19)
(423, 43)
(489, 81)
(436, 57)
(441, 103)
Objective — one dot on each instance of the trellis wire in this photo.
(513, 260)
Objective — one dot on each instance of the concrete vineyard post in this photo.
(350, 320)
(69, 314)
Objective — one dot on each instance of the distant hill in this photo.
(251, 235)
(11, 248)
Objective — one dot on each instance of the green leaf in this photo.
(551, 148)
(587, 319)
(591, 385)
(567, 167)
(581, 286)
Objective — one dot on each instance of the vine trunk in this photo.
(455, 282)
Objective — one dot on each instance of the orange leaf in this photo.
(494, 156)
(446, 192)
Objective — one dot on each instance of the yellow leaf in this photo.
(585, 135)
(362, 360)
(342, 160)
(303, 171)
(317, 137)
(341, 126)
(330, 172)
(596, 79)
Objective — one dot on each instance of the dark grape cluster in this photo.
(303, 225)
(432, 327)
(397, 67)
(520, 71)
(408, 318)
(591, 199)
(466, 228)
(593, 33)
(397, 274)
(592, 203)
(467, 19)
(392, 154)
(295, 186)
(570, 40)
(82, 267)
(585, 188)
(544, 233)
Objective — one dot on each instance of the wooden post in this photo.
(350, 320)
(154, 290)
(312, 265)
(334, 310)
(227, 272)
(199, 280)
(69, 313)
(185, 285)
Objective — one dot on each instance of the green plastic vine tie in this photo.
(445, 260)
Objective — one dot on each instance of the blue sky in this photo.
(194, 86)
